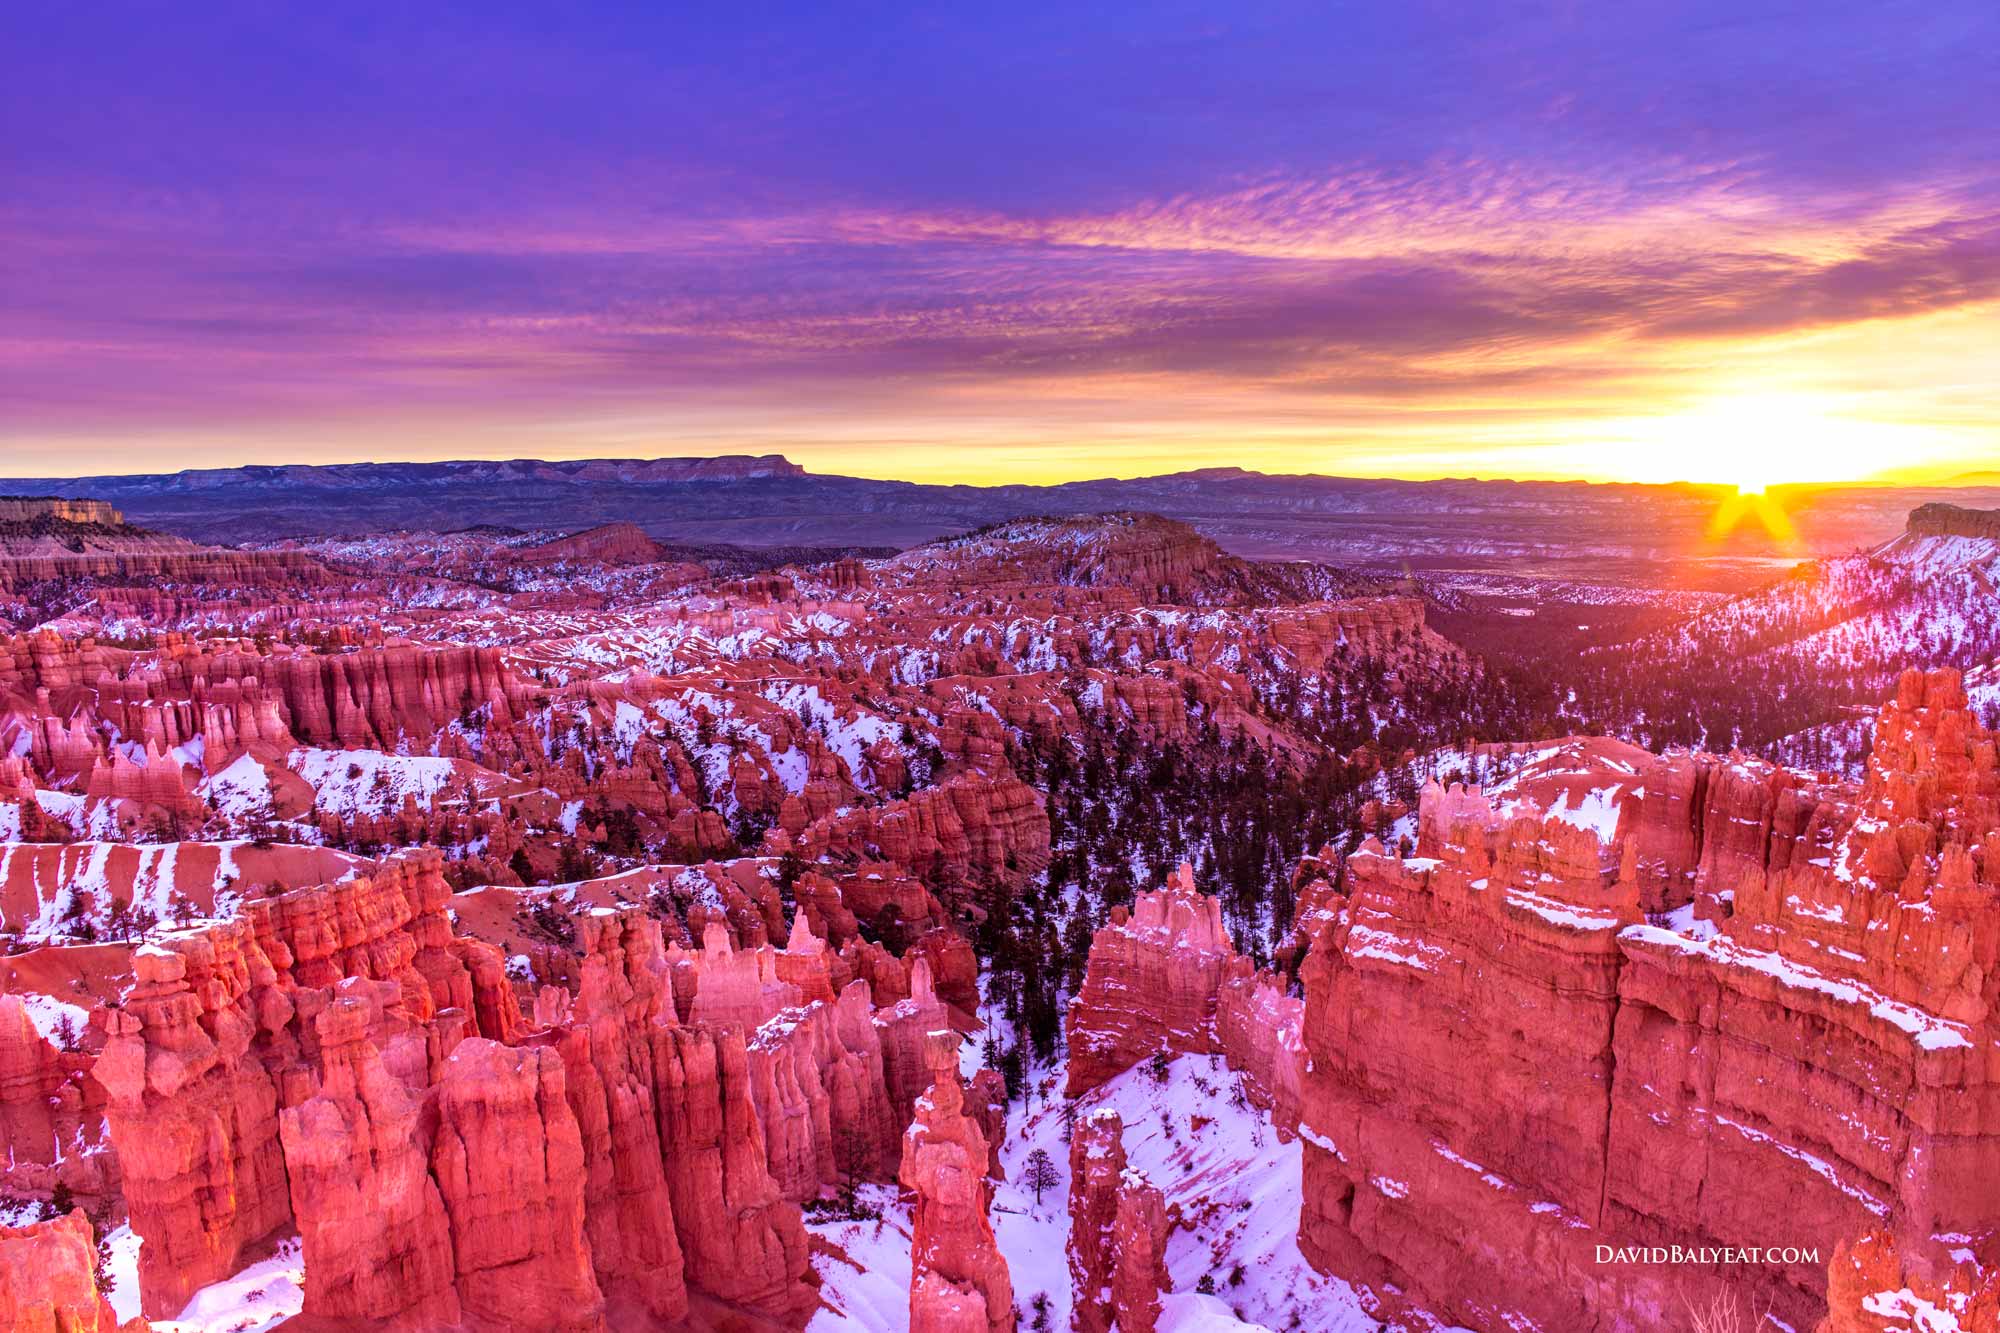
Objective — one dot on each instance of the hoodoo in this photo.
(959, 1281)
(1814, 1022)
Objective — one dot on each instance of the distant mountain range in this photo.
(1562, 529)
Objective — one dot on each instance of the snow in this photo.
(1817, 1165)
(1236, 1184)
(1596, 813)
(1192, 1312)
(50, 1015)
(240, 791)
(1927, 1030)
(871, 1288)
(1923, 1316)
(356, 782)
(259, 1298)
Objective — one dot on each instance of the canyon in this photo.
(1069, 920)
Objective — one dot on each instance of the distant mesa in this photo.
(1949, 520)
(50, 540)
(34, 508)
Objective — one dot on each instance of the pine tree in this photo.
(1041, 1174)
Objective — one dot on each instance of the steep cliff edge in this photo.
(1504, 1060)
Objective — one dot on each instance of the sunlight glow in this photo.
(1755, 442)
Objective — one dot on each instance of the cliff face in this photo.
(509, 1164)
(1151, 984)
(45, 539)
(1819, 1021)
(1948, 520)
(193, 1116)
(48, 1279)
(337, 1059)
(1118, 1233)
(1165, 978)
(376, 1239)
(28, 508)
(959, 1281)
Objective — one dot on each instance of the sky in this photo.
(1736, 242)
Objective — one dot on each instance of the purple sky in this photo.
(969, 242)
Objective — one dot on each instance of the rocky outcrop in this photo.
(1871, 1289)
(376, 1241)
(1820, 1022)
(608, 1059)
(509, 1164)
(608, 544)
(959, 1281)
(742, 1239)
(1152, 984)
(906, 1029)
(51, 1111)
(194, 1120)
(1139, 1236)
(1118, 1233)
(50, 540)
(1949, 520)
(48, 1278)
(1261, 1029)
(822, 1096)
(27, 508)
(958, 831)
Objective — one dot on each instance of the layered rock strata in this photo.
(959, 1282)
(48, 1279)
(1821, 1023)
(1118, 1233)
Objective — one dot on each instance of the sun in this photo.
(1754, 442)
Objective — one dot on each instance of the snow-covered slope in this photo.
(1234, 1185)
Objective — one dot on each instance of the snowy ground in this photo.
(1220, 1164)
(261, 1297)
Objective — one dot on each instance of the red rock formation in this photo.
(1819, 1032)
(609, 544)
(509, 1163)
(1152, 984)
(377, 1244)
(195, 1123)
(906, 1027)
(818, 1079)
(48, 1278)
(628, 1218)
(1262, 1033)
(51, 1113)
(1870, 1289)
(743, 1241)
(48, 547)
(1096, 1165)
(737, 987)
(986, 1103)
(28, 508)
(1139, 1236)
(958, 1278)
(964, 828)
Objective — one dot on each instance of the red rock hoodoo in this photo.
(958, 1278)
(1505, 1059)
(1118, 1233)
